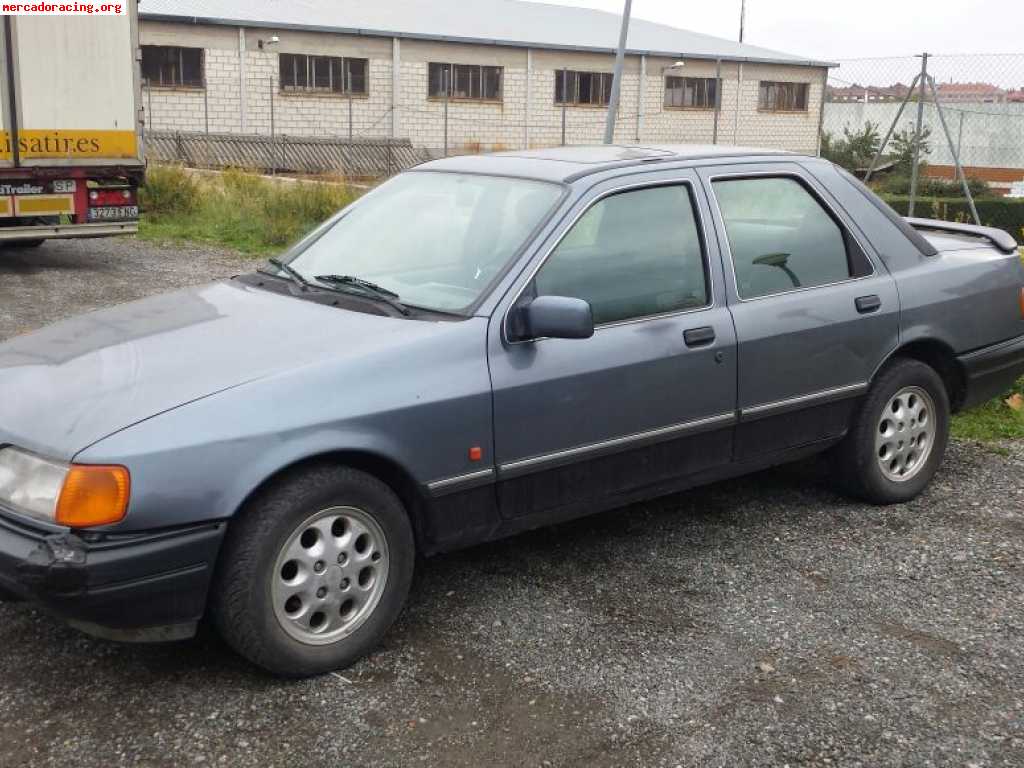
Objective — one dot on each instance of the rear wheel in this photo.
(314, 572)
(899, 435)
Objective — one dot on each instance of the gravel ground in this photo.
(765, 621)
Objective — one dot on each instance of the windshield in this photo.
(437, 240)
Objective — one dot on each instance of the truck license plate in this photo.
(114, 213)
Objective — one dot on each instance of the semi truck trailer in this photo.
(71, 148)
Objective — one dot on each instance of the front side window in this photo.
(464, 81)
(170, 65)
(780, 237)
(774, 96)
(583, 88)
(438, 240)
(633, 254)
(691, 92)
(331, 74)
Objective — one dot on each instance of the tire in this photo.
(876, 461)
(294, 551)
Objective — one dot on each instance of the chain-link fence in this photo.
(966, 107)
(882, 114)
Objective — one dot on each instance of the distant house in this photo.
(500, 74)
(868, 93)
(984, 93)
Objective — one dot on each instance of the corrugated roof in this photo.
(494, 22)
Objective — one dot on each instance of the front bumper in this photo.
(144, 587)
(992, 371)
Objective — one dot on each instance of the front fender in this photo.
(200, 461)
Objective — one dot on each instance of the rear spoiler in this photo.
(1000, 239)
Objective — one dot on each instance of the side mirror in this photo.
(555, 317)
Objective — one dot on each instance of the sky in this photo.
(828, 30)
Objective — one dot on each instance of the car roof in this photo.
(565, 164)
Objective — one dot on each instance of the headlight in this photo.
(30, 483)
(76, 495)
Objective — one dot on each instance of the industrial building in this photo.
(481, 76)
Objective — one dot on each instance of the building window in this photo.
(587, 88)
(330, 74)
(782, 97)
(691, 92)
(172, 65)
(464, 81)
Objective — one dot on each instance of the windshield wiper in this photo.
(365, 288)
(293, 274)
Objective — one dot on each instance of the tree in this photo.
(855, 149)
(903, 143)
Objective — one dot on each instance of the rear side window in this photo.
(633, 254)
(780, 236)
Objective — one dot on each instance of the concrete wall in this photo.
(988, 135)
(526, 116)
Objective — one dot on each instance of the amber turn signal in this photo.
(1022, 303)
(93, 495)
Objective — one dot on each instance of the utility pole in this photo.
(620, 57)
(743, 17)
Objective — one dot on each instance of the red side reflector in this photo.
(476, 453)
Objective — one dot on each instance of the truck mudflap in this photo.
(997, 237)
(64, 231)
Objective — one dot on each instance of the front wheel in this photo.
(898, 437)
(314, 572)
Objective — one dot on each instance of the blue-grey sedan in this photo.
(477, 347)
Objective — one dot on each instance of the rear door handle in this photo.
(868, 304)
(699, 337)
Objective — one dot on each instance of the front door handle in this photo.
(699, 337)
(868, 304)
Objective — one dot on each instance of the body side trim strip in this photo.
(461, 482)
(792, 403)
(556, 458)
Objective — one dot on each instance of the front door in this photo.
(816, 312)
(651, 396)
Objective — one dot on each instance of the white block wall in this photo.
(472, 126)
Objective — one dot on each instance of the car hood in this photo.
(68, 385)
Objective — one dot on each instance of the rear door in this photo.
(815, 310)
(651, 396)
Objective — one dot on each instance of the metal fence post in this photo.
(348, 88)
(956, 155)
(915, 168)
(960, 135)
(565, 100)
(206, 127)
(718, 99)
(446, 81)
(821, 112)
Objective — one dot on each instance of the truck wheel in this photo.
(898, 437)
(314, 571)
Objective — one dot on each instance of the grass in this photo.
(993, 421)
(234, 209)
